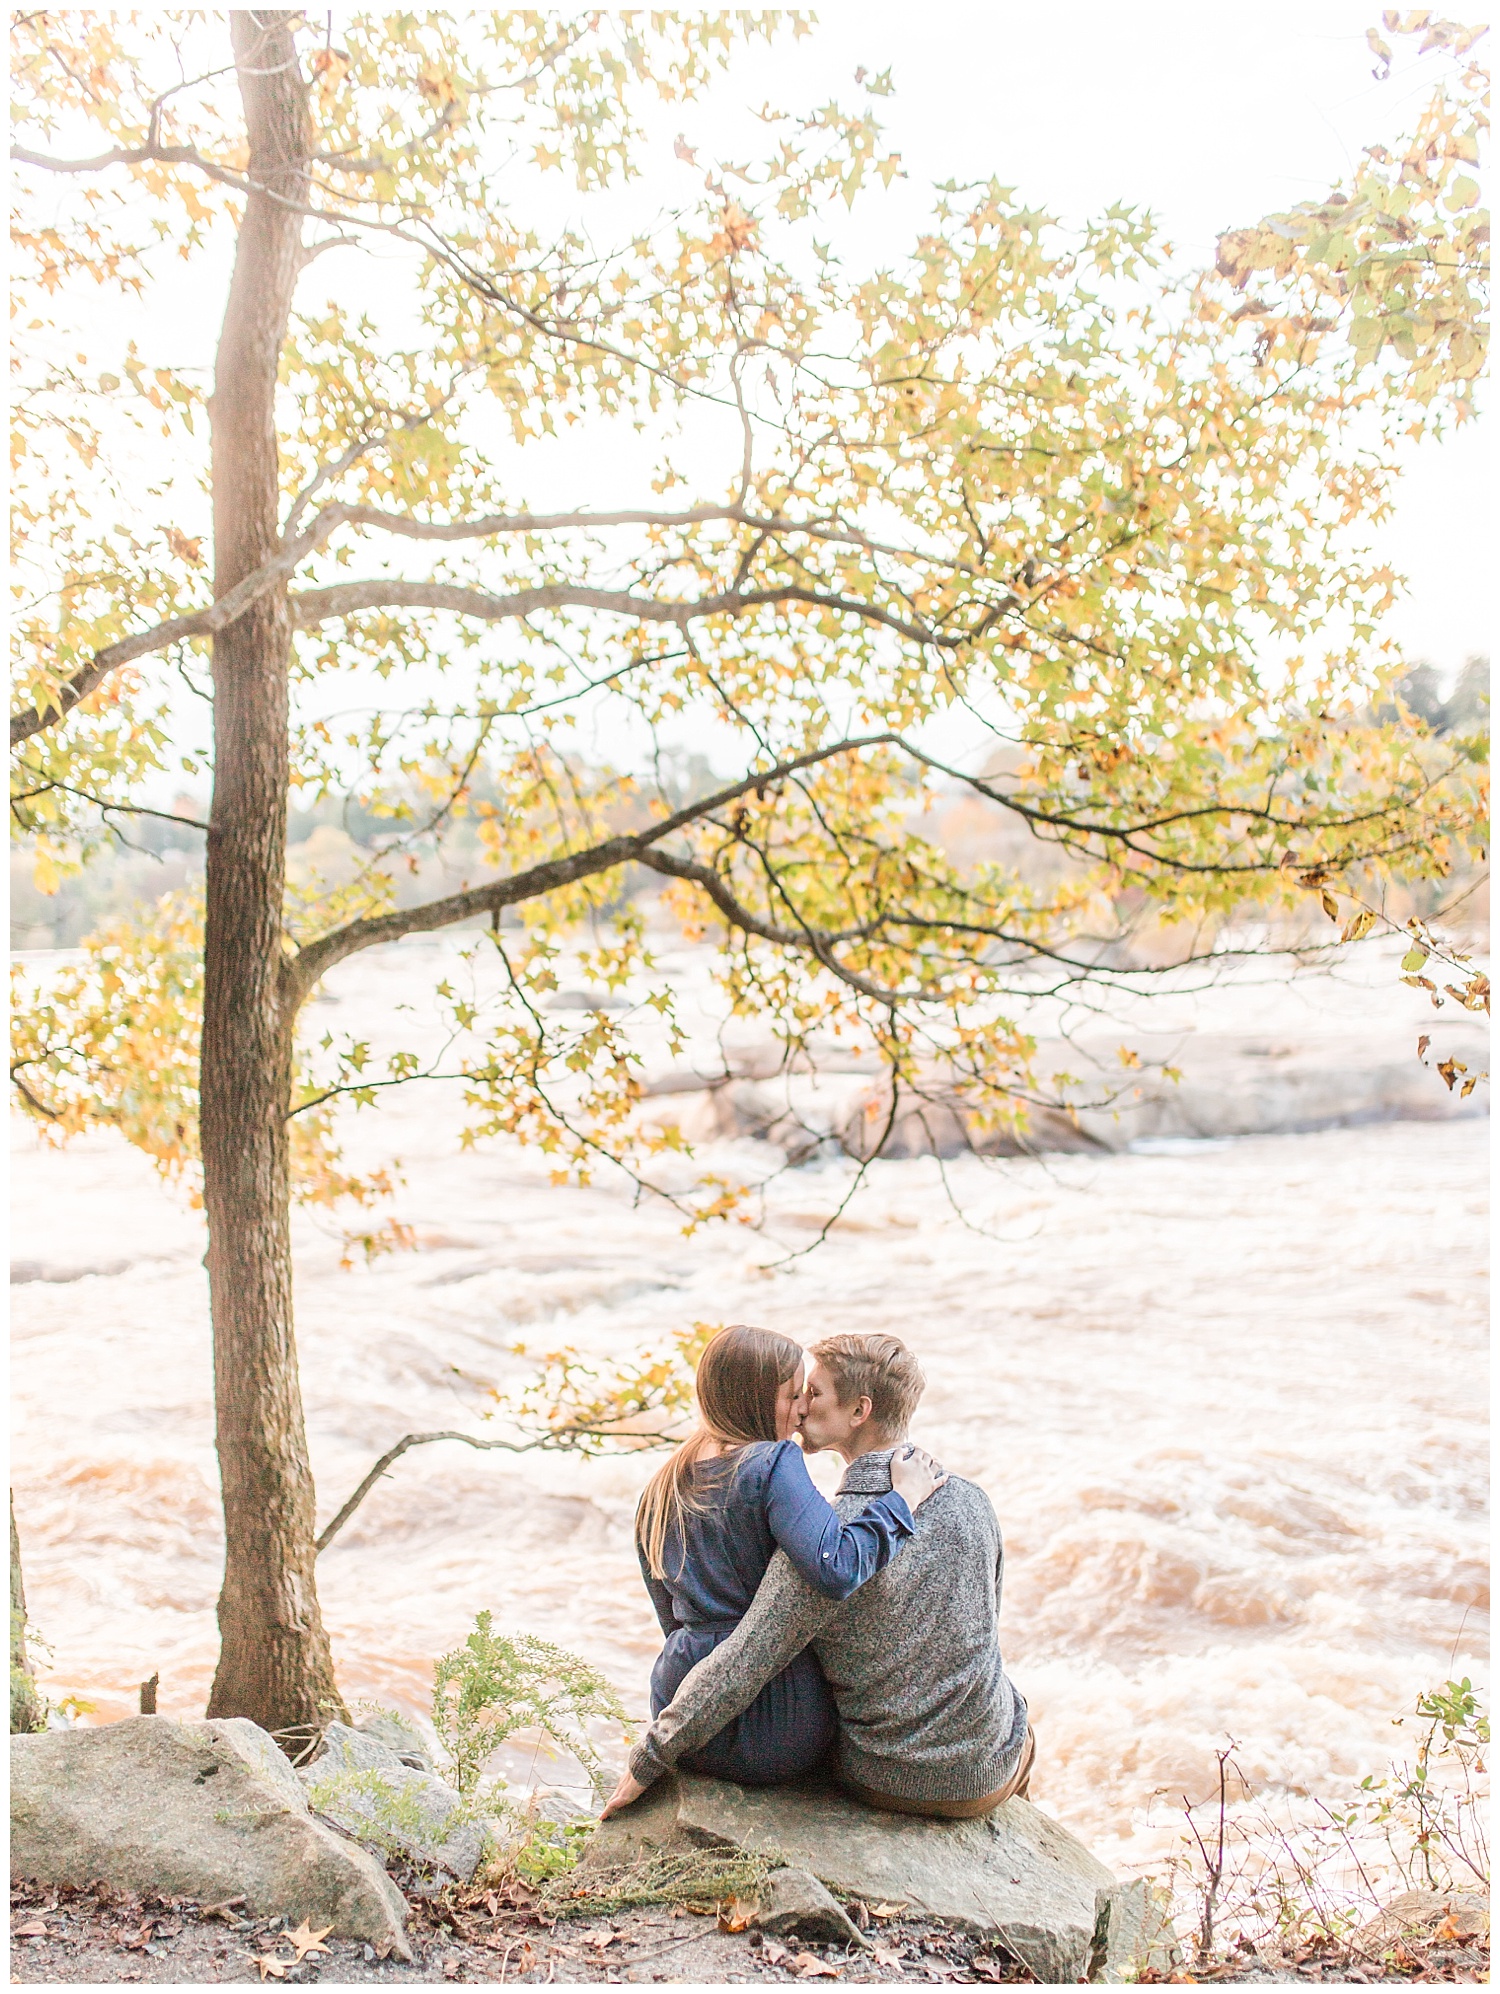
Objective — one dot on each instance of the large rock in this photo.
(361, 1785)
(1017, 1876)
(401, 1736)
(209, 1810)
(794, 1903)
(1465, 1911)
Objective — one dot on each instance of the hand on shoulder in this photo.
(915, 1475)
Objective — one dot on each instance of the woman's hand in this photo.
(629, 1789)
(914, 1474)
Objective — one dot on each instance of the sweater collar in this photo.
(869, 1474)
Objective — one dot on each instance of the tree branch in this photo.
(393, 1454)
(302, 971)
(491, 524)
(136, 155)
(315, 605)
(197, 623)
(347, 598)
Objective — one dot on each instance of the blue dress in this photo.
(756, 1501)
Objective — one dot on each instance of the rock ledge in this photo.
(1018, 1876)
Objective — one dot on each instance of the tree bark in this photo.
(26, 1713)
(275, 1665)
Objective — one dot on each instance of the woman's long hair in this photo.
(739, 1374)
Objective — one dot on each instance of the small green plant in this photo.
(387, 1814)
(550, 1850)
(498, 1684)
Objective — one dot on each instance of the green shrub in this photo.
(498, 1684)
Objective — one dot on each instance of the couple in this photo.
(858, 1636)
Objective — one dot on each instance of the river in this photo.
(1227, 1397)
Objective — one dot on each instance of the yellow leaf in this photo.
(306, 1940)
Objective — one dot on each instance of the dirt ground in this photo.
(99, 1936)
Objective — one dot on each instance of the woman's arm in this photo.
(661, 1598)
(834, 1556)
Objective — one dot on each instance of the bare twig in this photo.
(393, 1454)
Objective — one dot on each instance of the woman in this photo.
(710, 1522)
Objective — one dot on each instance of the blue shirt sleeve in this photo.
(834, 1556)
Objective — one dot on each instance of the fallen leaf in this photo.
(773, 1953)
(885, 1956)
(736, 1915)
(271, 1968)
(807, 1966)
(602, 1939)
(306, 1940)
(1458, 1928)
(35, 1929)
(987, 1968)
(886, 1910)
(137, 1940)
(1422, 1043)
(223, 1910)
(450, 1969)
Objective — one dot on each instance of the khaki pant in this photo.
(955, 1810)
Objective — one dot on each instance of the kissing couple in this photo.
(857, 1637)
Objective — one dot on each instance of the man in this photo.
(929, 1723)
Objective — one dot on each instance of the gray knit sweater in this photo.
(926, 1711)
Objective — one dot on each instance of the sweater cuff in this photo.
(646, 1766)
(895, 1507)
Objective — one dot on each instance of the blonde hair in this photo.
(739, 1375)
(878, 1368)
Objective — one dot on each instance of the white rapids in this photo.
(1228, 1400)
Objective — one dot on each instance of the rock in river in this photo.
(209, 1810)
(1017, 1875)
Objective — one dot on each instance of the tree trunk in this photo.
(25, 1705)
(275, 1665)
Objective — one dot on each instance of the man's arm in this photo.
(782, 1618)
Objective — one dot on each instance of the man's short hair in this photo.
(879, 1368)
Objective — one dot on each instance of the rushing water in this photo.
(1227, 1399)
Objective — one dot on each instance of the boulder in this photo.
(208, 1810)
(364, 1788)
(1016, 1876)
(401, 1737)
(795, 1903)
(1465, 1912)
(1136, 1935)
